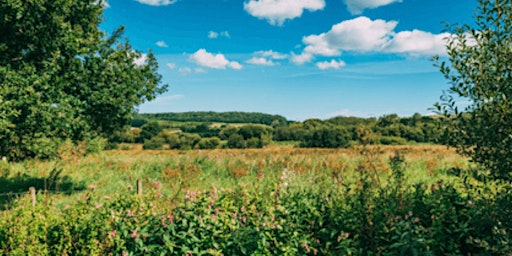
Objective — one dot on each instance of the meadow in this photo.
(279, 200)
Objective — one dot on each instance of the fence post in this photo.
(32, 192)
(139, 187)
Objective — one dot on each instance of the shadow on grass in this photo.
(14, 187)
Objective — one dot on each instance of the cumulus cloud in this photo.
(216, 61)
(266, 58)
(271, 54)
(171, 65)
(157, 2)
(365, 35)
(213, 34)
(276, 12)
(261, 61)
(418, 42)
(334, 64)
(302, 58)
(162, 44)
(357, 6)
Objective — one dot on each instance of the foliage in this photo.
(479, 70)
(150, 130)
(153, 143)
(222, 117)
(327, 137)
(209, 143)
(276, 209)
(62, 78)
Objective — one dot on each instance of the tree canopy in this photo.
(479, 70)
(62, 78)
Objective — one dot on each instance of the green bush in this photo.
(153, 143)
(209, 143)
(392, 140)
(236, 141)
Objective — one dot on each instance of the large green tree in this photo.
(479, 70)
(61, 77)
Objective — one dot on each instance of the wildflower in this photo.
(129, 213)
(261, 176)
(134, 234)
(98, 206)
(158, 185)
(159, 195)
(91, 187)
(112, 233)
(306, 247)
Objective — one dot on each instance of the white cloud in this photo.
(272, 54)
(276, 12)
(359, 34)
(216, 61)
(266, 58)
(302, 58)
(235, 65)
(199, 71)
(213, 34)
(365, 35)
(161, 44)
(418, 42)
(261, 61)
(357, 6)
(330, 64)
(141, 60)
(171, 65)
(157, 2)
(185, 71)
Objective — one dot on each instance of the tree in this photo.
(61, 78)
(479, 71)
(150, 130)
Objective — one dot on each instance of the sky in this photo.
(297, 58)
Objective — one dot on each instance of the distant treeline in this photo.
(258, 130)
(209, 116)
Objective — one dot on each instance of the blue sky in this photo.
(297, 58)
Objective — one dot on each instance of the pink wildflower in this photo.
(158, 185)
(112, 233)
(134, 234)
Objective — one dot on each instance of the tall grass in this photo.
(400, 200)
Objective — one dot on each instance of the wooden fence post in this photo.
(139, 187)
(32, 192)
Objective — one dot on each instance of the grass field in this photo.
(117, 170)
(279, 200)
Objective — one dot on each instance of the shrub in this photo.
(392, 140)
(209, 143)
(153, 143)
(236, 141)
